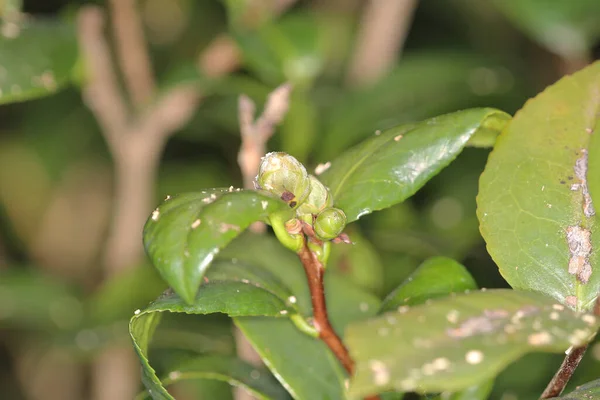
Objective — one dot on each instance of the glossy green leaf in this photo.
(459, 341)
(185, 233)
(36, 58)
(302, 364)
(228, 297)
(257, 381)
(534, 209)
(588, 391)
(568, 28)
(388, 168)
(436, 277)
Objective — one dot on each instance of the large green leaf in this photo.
(36, 58)
(257, 381)
(229, 297)
(460, 340)
(568, 28)
(256, 276)
(436, 277)
(388, 168)
(534, 209)
(184, 234)
(303, 364)
(588, 391)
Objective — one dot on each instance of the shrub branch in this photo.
(568, 366)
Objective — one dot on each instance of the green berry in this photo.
(329, 223)
(284, 176)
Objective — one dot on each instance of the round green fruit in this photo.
(329, 223)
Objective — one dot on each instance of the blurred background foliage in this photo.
(56, 173)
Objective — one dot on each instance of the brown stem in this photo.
(568, 366)
(564, 373)
(314, 274)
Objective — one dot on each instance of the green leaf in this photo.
(387, 169)
(36, 58)
(435, 277)
(359, 262)
(459, 341)
(231, 298)
(568, 28)
(256, 276)
(533, 207)
(257, 381)
(186, 232)
(588, 391)
(30, 300)
(302, 364)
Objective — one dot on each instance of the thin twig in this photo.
(136, 143)
(568, 366)
(256, 134)
(384, 27)
(314, 273)
(132, 52)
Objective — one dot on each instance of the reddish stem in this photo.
(568, 366)
(314, 273)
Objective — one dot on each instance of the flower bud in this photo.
(318, 199)
(329, 223)
(284, 176)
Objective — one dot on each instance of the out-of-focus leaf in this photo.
(30, 300)
(436, 277)
(36, 58)
(593, 176)
(421, 86)
(119, 296)
(299, 128)
(257, 381)
(359, 262)
(588, 391)
(288, 49)
(387, 169)
(186, 232)
(534, 208)
(479, 391)
(568, 28)
(459, 341)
